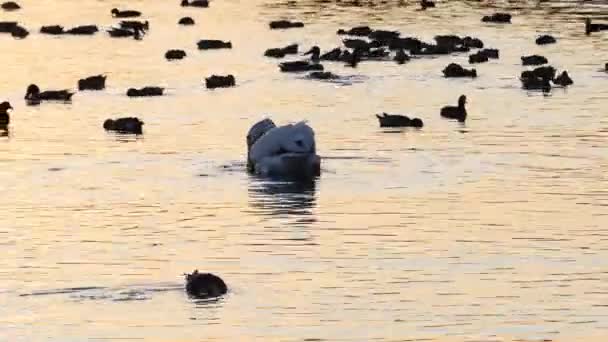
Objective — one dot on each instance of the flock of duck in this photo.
(290, 150)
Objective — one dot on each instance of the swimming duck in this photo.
(424, 4)
(7, 26)
(19, 32)
(134, 25)
(145, 91)
(407, 43)
(401, 57)
(473, 43)
(490, 53)
(209, 44)
(455, 70)
(175, 54)
(116, 13)
(83, 30)
(503, 18)
(124, 125)
(478, 57)
(215, 81)
(534, 60)
(563, 79)
(331, 55)
(125, 33)
(284, 152)
(300, 66)
(285, 24)
(544, 72)
(4, 118)
(195, 3)
(281, 52)
(52, 29)
(359, 44)
(204, 285)
(589, 27)
(10, 6)
(34, 96)
(322, 75)
(97, 82)
(361, 31)
(533, 82)
(394, 120)
(384, 37)
(545, 39)
(459, 113)
(186, 21)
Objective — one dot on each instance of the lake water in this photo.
(492, 230)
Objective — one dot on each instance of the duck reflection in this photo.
(282, 198)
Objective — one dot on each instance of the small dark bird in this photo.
(545, 39)
(321, 75)
(33, 95)
(394, 120)
(186, 21)
(455, 70)
(424, 4)
(10, 6)
(215, 81)
(538, 79)
(204, 285)
(125, 33)
(97, 82)
(145, 91)
(195, 3)
(563, 79)
(83, 30)
(19, 32)
(175, 54)
(281, 52)
(4, 118)
(534, 60)
(459, 113)
(401, 57)
(52, 29)
(284, 24)
(490, 53)
(130, 125)
(503, 18)
(589, 27)
(116, 13)
(473, 43)
(209, 44)
(135, 25)
(300, 66)
(478, 57)
(361, 31)
(7, 26)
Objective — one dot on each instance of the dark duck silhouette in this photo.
(590, 27)
(19, 32)
(215, 81)
(332, 55)
(538, 79)
(4, 117)
(545, 39)
(491, 53)
(285, 24)
(134, 25)
(478, 57)
(175, 54)
(130, 125)
(83, 30)
(195, 3)
(7, 26)
(204, 285)
(361, 31)
(456, 112)
(393, 120)
(424, 4)
(563, 79)
(455, 70)
(145, 91)
(323, 75)
(33, 95)
(210, 44)
(282, 52)
(10, 6)
(116, 13)
(97, 82)
(52, 29)
(534, 60)
(300, 66)
(125, 33)
(186, 21)
(503, 18)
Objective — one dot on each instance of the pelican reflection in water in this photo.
(282, 198)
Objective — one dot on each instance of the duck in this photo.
(589, 27)
(19, 32)
(361, 31)
(33, 95)
(10, 6)
(407, 43)
(209, 44)
(186, 21)
(116, 13)
(134, 25)
(195, 3)
(4, 117)
(145, 91)
(83, 30)
(534, 60)
(394, 120)
(204, 285)
(215, 81)
(52, 29)
(125, 33)
(478, 57)
(282, 52)
(563, 79)
(384, 37)
(285, 24)
(545, 39)
(130, 125)
(502, 18)
(7, 26)
(534, 82)
(455, 70)
(284, 152)
(175, 54)
(300, 66)
(97, 82)
(490, 53)
(424, 4)
(401, 57)
(322, 75)
(459, 112)
(473, 43)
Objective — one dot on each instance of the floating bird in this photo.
(361, 31)
(10, 6)
(394, 120)
(209, 44)
(459, 113)
(455, 70)
(52, 29)
(534, 60)
(4, 117)
(300, 66)
(204, 285)
(19, 32)
(215, 81)
(285, 24)
(145, 91)
(545, 39)
(130, 125)
(175, 54)
(116, 13)
(503, 18)
(125, 33)
(490, 53)
(7, 26)
(589, 27)
(195, 3)
(135, 25)
(83, 30)
(97, 82)
(281, 52)
(33, 95)
(186, 21)
(283, 152)
(320, 75)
